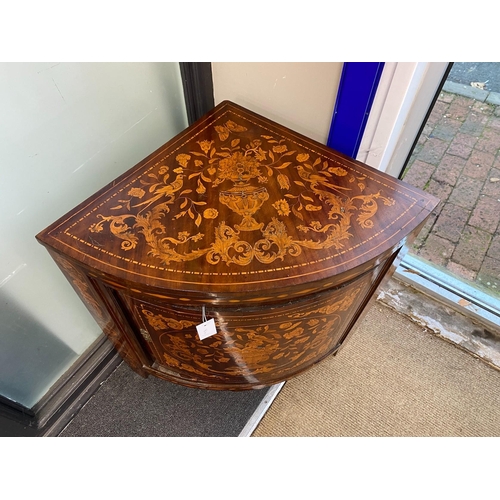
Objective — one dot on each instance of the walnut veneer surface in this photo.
(280, 239)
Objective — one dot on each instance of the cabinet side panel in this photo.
(388, 269)
(87, 292)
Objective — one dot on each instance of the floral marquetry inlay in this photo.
(262, 343)
(238, 198)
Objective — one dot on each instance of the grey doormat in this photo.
(127, 405)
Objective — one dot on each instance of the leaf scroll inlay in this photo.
(291, 339)
(247, 170)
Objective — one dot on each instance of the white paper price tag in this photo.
(206, 329)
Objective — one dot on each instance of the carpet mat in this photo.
(127, 405)
(392, 378)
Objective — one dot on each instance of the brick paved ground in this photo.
(457, 159)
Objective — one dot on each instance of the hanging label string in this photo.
(207, 327)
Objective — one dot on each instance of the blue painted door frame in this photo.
(357, 88)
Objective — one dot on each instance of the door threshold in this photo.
(453, 292)
(261, 410)
(446, 307)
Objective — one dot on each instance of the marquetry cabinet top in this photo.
(237, 203)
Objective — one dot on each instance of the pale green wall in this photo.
(66, 130)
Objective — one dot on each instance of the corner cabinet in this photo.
(278, 239)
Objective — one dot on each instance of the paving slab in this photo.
(466, 91)
(466, 192)
(489, 275)
(471, 248)
(486, 214)
(451, 222)
(493, 98)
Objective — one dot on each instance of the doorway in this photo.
(457, 159)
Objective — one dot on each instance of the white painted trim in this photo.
(403, 97)
(368, 151)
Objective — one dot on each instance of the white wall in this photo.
(66, 130)
(298, 95)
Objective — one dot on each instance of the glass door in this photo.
(457, 159)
